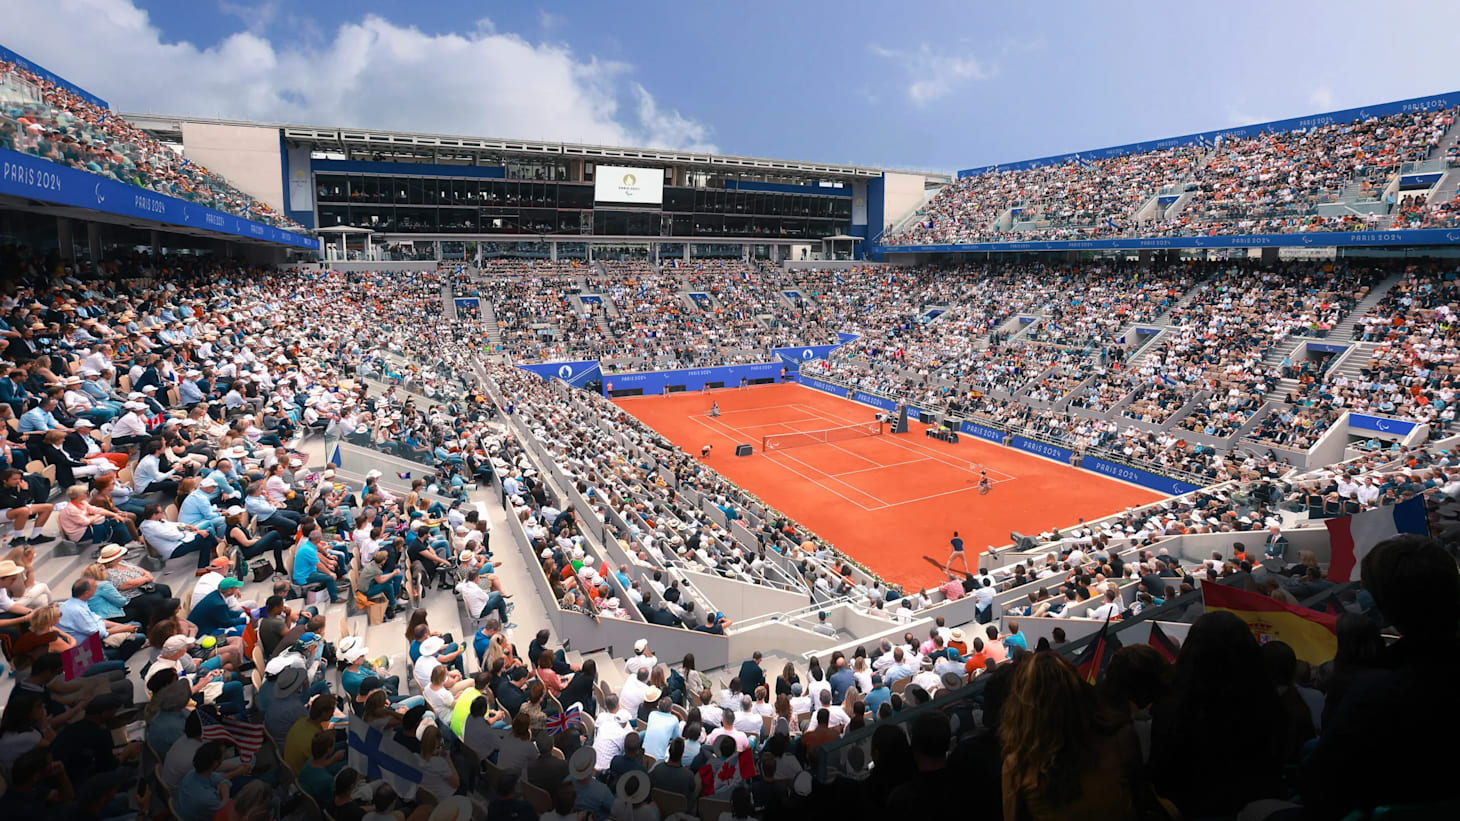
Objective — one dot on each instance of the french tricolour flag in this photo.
(1352, 537)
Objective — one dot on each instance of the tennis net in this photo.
(781, 441)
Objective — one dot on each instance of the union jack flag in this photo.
(246, 737)
(562, 721)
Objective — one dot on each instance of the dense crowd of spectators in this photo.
(1266, 183)
(41, 118)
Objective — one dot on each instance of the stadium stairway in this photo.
(1445, 191)
(489, 320)
(448, 302)
(1344, 330)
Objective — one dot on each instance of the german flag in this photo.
(1312, 635)
(1164, 644)
(1096, 655)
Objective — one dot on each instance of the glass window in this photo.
(572, 250)
(331, 188)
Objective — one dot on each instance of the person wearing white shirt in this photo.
(608, 737)
(643, 658)
(837, 717)
(632, 694)
(746, 719)
(1109, 610)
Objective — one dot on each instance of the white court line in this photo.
(754, 410)
(813, 481)
(852, 453)
(965, 465)
(831, 477)
(879, 467)
(769, 424)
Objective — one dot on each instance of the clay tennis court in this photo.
(887, 500)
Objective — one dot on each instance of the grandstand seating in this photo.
(41, 118)
(1271, 183)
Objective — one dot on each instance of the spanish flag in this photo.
(1312, 635)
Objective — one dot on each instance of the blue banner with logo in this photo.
(576, 374)
(1380, 424)
(692, 379)
(844, 337)
(468, 302)
(875, 401)
(1136, 476)
(1423, 236)
(1323, 347)
(981, 431)
(804, 353)
(825, 387)
(1044, 449)
(22, 175)
(46, 74)
(591, 299)
(1432, 103)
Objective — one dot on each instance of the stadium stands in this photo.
(1270, 183)
(41, 118)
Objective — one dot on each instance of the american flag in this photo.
(246, 737)
(562, 721)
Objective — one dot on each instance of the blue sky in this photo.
(936, 85)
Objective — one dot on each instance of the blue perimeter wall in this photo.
(692, 379)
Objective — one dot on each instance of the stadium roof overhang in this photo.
(405, 146)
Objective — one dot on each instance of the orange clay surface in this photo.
(885, 500)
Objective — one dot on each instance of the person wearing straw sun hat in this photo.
(143, 592)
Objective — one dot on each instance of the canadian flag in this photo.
(723, 773)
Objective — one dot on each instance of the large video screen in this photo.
(615, 183)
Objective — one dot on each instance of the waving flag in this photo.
(77, 660)
(405, 475)
(1097, 654)
(562, 721)
(336, 460)
(1350, 538)
(375, 756)
(248, 738)
(1164, 644)
(1312, 635)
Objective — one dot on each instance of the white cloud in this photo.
(548, 21)
(931, 75)
(370, 73)
(1322, 97)
(255, 18)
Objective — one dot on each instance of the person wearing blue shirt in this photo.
(39, 419)
(199, 511)
(878, 695)
(203, 792)
(13, 392)
(79, 621)
(225, 484)
(310, 567)
(1015, 638)
(212, 614)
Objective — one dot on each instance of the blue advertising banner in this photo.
(844, 337)
(1436, 102)
(1420, 180)
(42, 72)
(981, 431)
(468, 302)
(1379, 424)
(1423, 236)
(22, 175)
(805, 353)
(825, 387)
(691, 379)
(875, 401)
(1136, 476)
(576, 374)
(591, 299)
(1046, 450)
(1324, 347)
